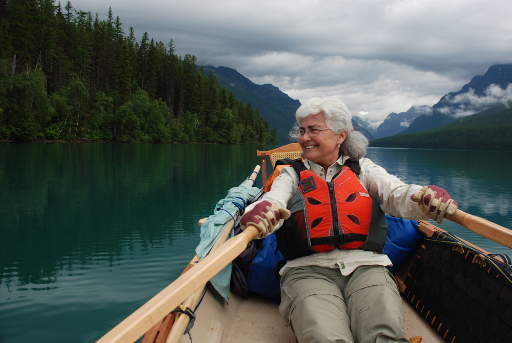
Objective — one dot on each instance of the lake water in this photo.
(89, 232)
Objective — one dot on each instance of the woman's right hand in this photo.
(264, 215)
(435, 202)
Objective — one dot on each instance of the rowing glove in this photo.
(265, 216)
(435, 202)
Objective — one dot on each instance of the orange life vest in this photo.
(339, 214)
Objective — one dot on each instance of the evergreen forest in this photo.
(68, 75)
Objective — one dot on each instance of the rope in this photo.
(232, 217)
(241, 206)
(191, 315)
(500, 267)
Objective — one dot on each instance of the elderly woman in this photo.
(335, 286)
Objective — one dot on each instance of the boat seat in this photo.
(292, 151)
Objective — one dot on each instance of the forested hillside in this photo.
(489, 129)
(66, 74)
(274, 105)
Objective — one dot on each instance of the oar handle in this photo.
(481, 226)
(135, 325)
(254, 173)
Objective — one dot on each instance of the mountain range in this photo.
(481, 93)
(489, 129)
(276, 107)
(398, 122)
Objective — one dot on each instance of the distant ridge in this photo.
(489, 129)
(276, 107)
(398, 122)
(479, 94)
(363, 126)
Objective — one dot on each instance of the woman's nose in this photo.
(305, 136)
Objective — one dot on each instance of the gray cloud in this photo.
(378, 56)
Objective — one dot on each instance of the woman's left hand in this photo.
(435, 202)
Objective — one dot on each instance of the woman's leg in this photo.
(312, 302)
(374, 305)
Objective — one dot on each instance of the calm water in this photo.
(89, 232)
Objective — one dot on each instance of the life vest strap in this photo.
(338, 240)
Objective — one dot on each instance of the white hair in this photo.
(339, 119)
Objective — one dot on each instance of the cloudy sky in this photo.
(377, 56)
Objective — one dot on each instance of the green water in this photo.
(89, 232)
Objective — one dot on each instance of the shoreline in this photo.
(86, 140)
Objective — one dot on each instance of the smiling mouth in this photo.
(309, 147)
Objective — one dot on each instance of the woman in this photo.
(335, 286)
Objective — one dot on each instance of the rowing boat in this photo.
(257, 320)
(452, 291)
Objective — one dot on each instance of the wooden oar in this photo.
(156, 308)
(135, 325)
(481, 226)
(181, 321)
(172, 327)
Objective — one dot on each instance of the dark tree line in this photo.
(67, 74)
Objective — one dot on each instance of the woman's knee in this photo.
(321, 318)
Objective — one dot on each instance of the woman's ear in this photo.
(341, 137)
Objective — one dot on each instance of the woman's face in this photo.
(319, 143)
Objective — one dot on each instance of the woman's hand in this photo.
(435, 202)
(264, 215)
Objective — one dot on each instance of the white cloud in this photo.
(469, 102)
(379, 56)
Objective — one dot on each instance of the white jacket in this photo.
(394, 198)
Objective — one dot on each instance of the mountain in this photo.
(478, 94)
(481, 93)
(364, 127)
(398, 122)
(276, 107)
(489, 129)
(427, 122)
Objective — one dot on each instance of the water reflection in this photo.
(63, 200)
(100, 227)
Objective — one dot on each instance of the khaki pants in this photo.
(324, 306)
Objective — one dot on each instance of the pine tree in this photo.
(65, 75)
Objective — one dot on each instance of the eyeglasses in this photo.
(311, 131)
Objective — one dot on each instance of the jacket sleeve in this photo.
(282, 190)
(283, 187)
(394, 195)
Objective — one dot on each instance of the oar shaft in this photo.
(254, 173)
(156, 308)
(483, 227)
(181, 321)
(135, 325)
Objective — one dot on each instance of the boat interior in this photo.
(256, 320)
